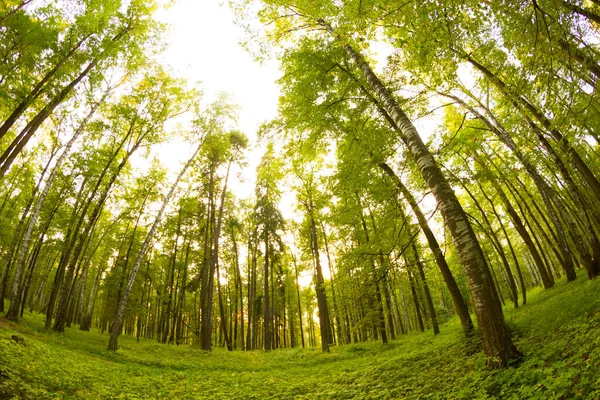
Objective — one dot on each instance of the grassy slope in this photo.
(558, 331)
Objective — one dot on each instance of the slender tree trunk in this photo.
(171, 282)
(239, 284)
(115, 330)
(512, 251)
(416, 301)
(267, 305)
(13, 150)
(15, 300)
(299, 302)
(320, 285)
(432, 315)
(548, 195)
(336, 310)
(222, 313)
(489, 232)
(389, 306)
(213, 265)
(59, 324)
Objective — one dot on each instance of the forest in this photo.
(424, 217)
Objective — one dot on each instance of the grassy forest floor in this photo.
(558, 331)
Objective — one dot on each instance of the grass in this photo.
(558, 332)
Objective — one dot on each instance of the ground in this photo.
(558, 332)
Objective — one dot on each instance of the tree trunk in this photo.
(118, 318)
(266, 305)
(214, 259)
(84, 237)
(240, 286)
(335, 303)
(434, 322)
(458, 300)
(299, 303)
(319, 285)
(22, 139)
(548, 195)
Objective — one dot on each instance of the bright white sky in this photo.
(203, 46)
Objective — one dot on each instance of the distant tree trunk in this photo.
(213, 266)
(389, 306)
(266, 305)
(319, 285)
(512, 251)
(432, 315)
(379, 325)
(239, 285)
(489, 232)
(171, 282)
(591, 262)
(66, 252)
(223, 318)
(336, 310)
(299, 302)
(86, 322)
(29, 275)
(413, 291)
(205, 304)
(65, 294)
(71, 239)
(250, 339)
(181, 301)
(16, 295)
(518, 224)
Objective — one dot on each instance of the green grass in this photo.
(558, 332)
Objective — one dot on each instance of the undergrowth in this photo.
(558, 332)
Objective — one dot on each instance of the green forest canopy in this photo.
(399, 228)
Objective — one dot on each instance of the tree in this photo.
(116, 326)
